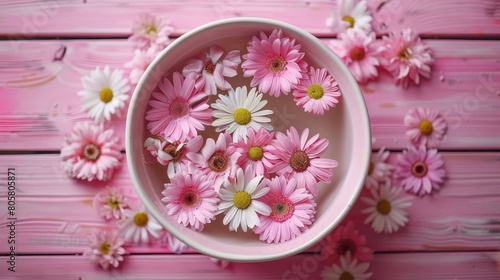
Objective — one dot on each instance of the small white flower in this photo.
(104, 93)
(348, 269)
(387, 211)
(105, 248)
(137, 225)
(238, 111)
(379, 170)
(239, 200)
(350, 14)
(150, 30)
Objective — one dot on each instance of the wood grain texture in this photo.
(39, 102)
(465, 265)
(28, 19)
(55, 214)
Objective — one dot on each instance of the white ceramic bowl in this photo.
(345, 126)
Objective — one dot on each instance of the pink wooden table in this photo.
(452, 234)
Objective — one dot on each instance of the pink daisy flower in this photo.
(292, 212)
(419, 170)
(406, 57)
(212, 69)
(379, 170)
(345, 239)
(425, 127)
(254, 151)
(217, 160)
(140, 62)
(318, 92)
(178, 111)
(274, 62)
(150, 30)
(89, 152)
(359, 52)
(105, 248)
(191, 200)
(298, 157)
(173, 155)
(110, 203)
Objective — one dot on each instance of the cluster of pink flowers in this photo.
(258, 178)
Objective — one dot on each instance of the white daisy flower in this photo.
(137, 225)
(387, 211)
(238, 111)
(350, 14)
(104, 93)
(348, 269)
(239, 200)
(379, 170)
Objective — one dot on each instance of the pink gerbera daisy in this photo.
(254, 151)
(406, 57)
(359, 52)
(212, 69)
(179, 110)
(105, 248)
(173, 155)
(318, 92)
(419, 170)
(217, 160)
(379, 170)
(140, 62)
(297, 157)
(150, 30)
(274, 62)
(345, 239)
(89, 152)
(110, 202)
(425, 127)
(292, 208)
(191, 200)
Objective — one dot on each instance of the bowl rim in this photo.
(153, 209)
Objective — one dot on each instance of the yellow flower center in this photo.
(91, 152)
(115, 205)
(242, 200)
(105, 248)
(405, 53)
(346, 276)
(315, 91)
(276, 64)
(242, 116)
(350, 20)
(106, 95)
(141, 219)
(384, 207)
(151, 29)
(357, 53)
(419, 169)
(370, 168)
(255, 153)
(425, 127)
(299, 161)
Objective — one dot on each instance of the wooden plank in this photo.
(29, 19)
(401, 266)
(39, 102)
(55, 214)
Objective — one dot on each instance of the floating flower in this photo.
(254, 151)
(299, 157)
(379, 170)
(351, 14)
(110, 203)
(212, 69)
(387, 211)
(89, 152)
(318, 92)
(239, 111)
(175, 245)
(419, 170)
(191, 200)
(173, 155)
(105, 248)
(425, 127)
(292, 211)
(178, 111)
(359, 52)
(347, 269)
(137, 225)
(346, 240)
(406, 57)
(140, 62)
(149, 31)
(104, 93)
(274, 62)
(240, 203)
(217, 160)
